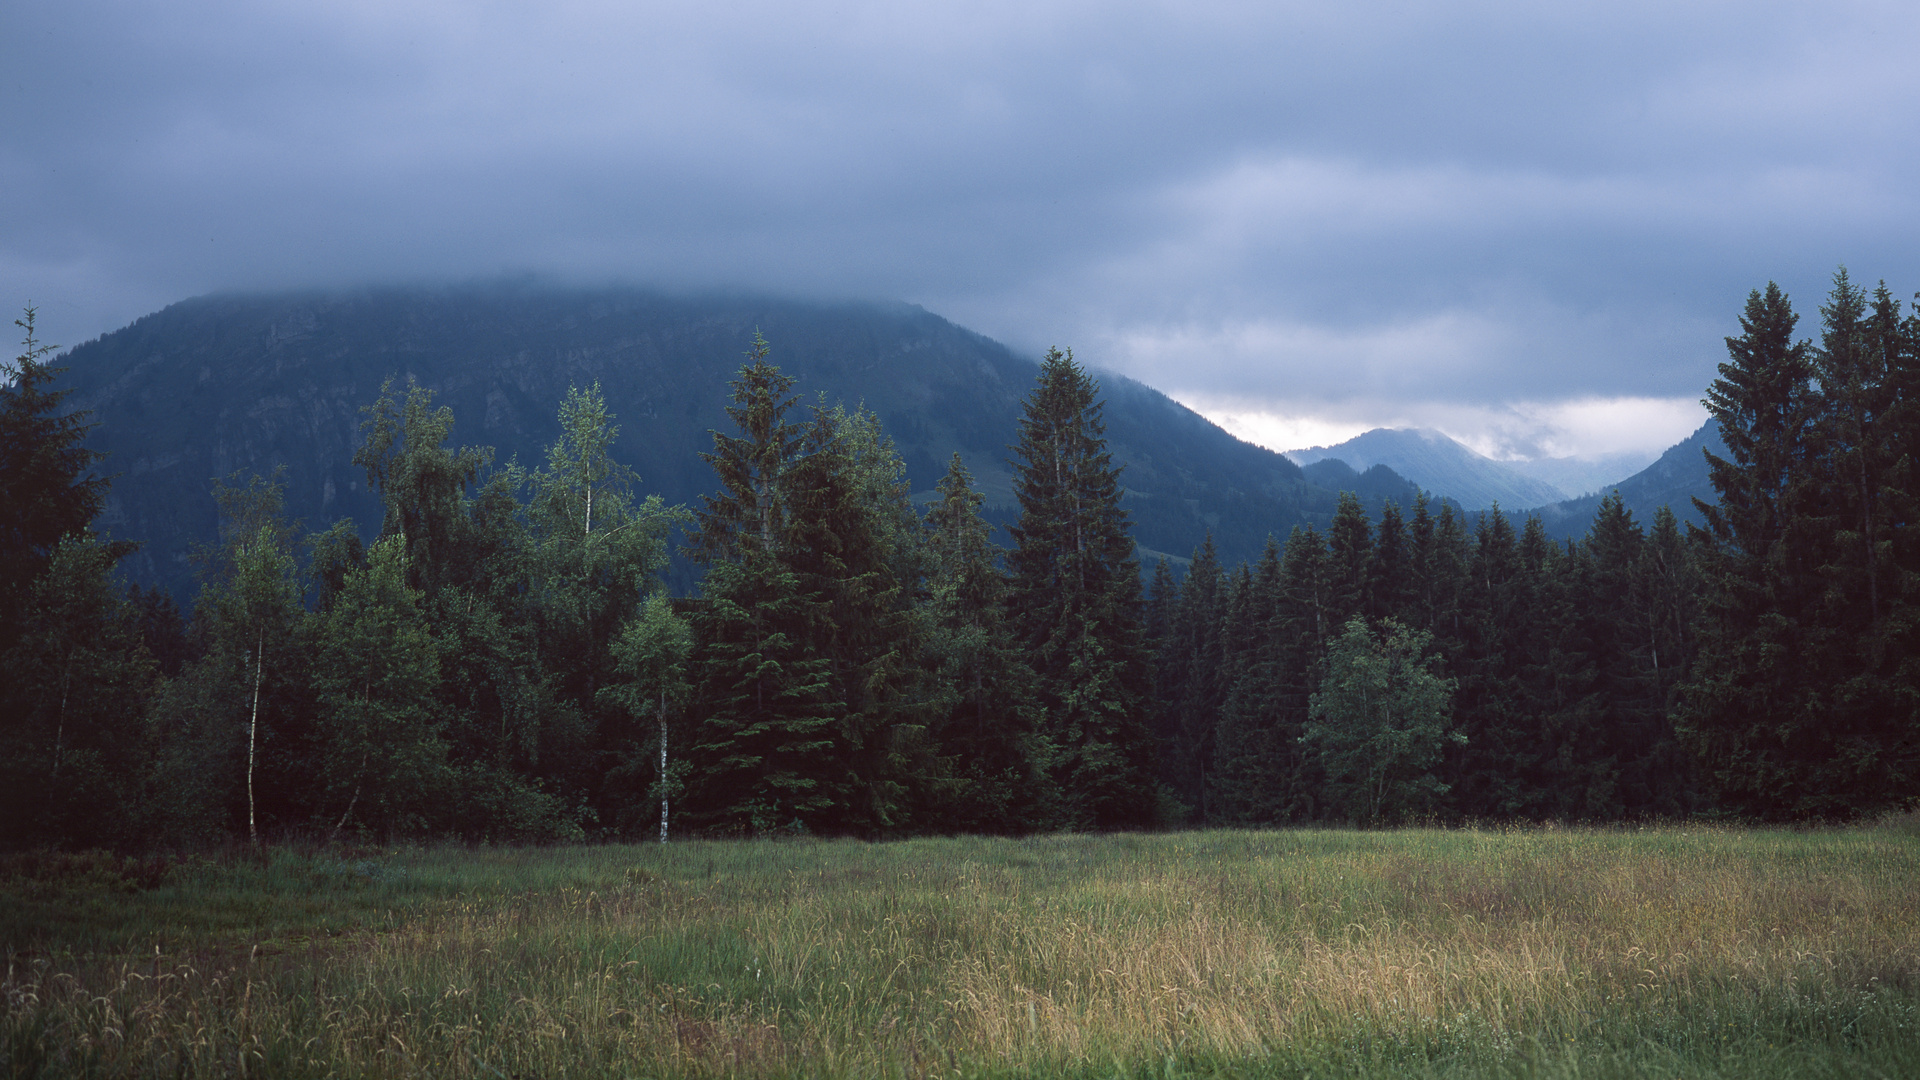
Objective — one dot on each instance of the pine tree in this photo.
(1350, 559)
(1257, 759)
(1501, 730)
(1265, 775)
(1075, 601)
(812, 655)
(1663, 602)
(857, 543)
(1390, 569)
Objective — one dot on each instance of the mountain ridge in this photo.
(251, 382)
(1675, 479)
(1439, 464)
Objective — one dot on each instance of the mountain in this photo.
(1582, 476)
(1439, 465)
(1675, 479)
(1375, 486)
(251, 383)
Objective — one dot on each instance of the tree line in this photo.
(1441, 665)
(503, 662)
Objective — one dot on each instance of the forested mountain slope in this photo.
(250, 383)
(1438, 464)
(1674, 480)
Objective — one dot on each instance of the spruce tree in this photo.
(812, 656)
(1256, 776)
(1350, 558)
(1748, 711)
(1075, 602)
(765, 755)
(45, 490)
(991, 725)
(1193, 678)
(1390, 569)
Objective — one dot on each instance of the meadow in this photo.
(1672, 952)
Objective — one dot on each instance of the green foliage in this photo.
(1802, 701)
(250, 612)
(376, 669)
(812, 672)
(651, 656)
(766, 747)
(73, 748)
(1192, 679)
(1076, 604)
(991, 724)
(1380, 722)
(45, 494)
(503, 663)
(594, 554)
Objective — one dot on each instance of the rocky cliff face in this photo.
(220, 384)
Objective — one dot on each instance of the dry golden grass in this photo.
(1671, 951)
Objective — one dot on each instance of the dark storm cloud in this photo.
(1470, 214)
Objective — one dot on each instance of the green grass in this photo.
(1664, 952)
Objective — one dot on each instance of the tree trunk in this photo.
(253, 728)
(60, 718)
(663, 766)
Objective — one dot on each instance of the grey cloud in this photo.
(1306, 204)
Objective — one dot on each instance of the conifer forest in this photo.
(504, 662)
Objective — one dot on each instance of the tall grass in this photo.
(1675, 951)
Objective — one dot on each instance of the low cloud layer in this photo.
(1526, 224)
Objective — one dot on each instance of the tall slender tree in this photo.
(252, 610)
(1747, 712)
(992, 727)
(1076, 601)
(47, 489)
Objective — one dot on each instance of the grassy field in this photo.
(1672, 952)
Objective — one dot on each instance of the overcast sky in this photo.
(1527, 224)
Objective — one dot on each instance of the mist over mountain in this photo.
(1582, 476)
(1440, 465)
(251, 383)
(1675, 479)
